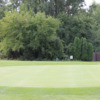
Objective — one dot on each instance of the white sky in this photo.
(89, 2)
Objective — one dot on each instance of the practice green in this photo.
(64, 80)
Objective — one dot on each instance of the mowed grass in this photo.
(33, 80)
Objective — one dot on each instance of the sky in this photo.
(89, 2)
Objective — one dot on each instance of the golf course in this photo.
(49, 80)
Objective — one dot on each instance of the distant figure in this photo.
(57, 59)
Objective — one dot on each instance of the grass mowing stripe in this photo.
(17, 93)
(30, 63)
(50, 91)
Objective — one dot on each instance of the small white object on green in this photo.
(71, 57)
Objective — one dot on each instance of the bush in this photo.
(77, 48)
(90, 52)
(84, 48)
(81, 49)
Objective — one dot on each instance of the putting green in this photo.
(28, 80)
(51, 76)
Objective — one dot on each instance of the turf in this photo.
(25, 80)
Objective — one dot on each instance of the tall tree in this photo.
(72, 6)
(2, 9)
(95, 14)
(79, 25)
(84, 48)
(77, 48)
(50, 7)
(90, 52)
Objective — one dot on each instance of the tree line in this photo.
(48, 29)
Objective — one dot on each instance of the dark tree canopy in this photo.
(50, 7)
(48, 29)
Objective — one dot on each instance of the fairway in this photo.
(58, 80)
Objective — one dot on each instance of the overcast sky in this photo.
(89, 2)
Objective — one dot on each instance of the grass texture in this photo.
(33, 80)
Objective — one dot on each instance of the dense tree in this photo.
(30, 37)
(1, 3)
(90, 52)
(70, 48)
(79, 25)
(84, 48)
(1, 9)
(77, 48)
(26, 33)
(72, 6)
(95, 14)
(50, 7)
(81, 49)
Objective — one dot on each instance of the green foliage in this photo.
(79, 25)
(81, 49)
(70, 49)
(2, 9)
(84, 48)
(90, 52)
(2, 14)
(23, 34)
(72, 6)
(50, 7)
(27, 34)
(77, 48)
(13, 27)
(95, 14)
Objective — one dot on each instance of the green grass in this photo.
(32, 80)
(29, 63)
